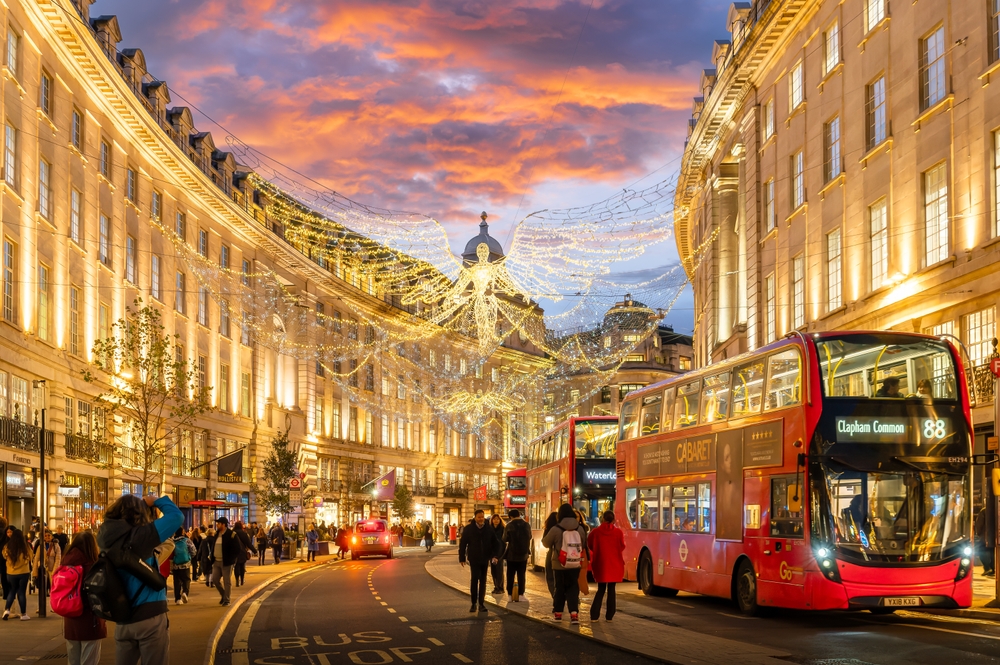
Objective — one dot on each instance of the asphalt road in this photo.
(378, 611)
(381, 611)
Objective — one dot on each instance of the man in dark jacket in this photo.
(144, 637)
(223, 551)
(517, 547)
(196, 538)
(246, 546)
(277, 537)
(480, 547)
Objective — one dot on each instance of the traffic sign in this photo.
(995, 367)
(294, 484)
(302, 476)
(295, 498)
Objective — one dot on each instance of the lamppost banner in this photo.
(385, 487)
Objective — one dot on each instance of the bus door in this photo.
(784, 552)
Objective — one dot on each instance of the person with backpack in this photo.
(17, 556)
(607, 545)
(517, 548)
(261, 545)
(568, 542)
(550, 580)
(479, 546)
(204, 557)
(246, 547)
(180, 566)
(277, 538)
(127, 539)
(82, 629)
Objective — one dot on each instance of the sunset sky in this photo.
(443, 107)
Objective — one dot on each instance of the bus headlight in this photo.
(827, 563)
(967, 552)
(964, 567)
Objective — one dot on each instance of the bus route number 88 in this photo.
(934, 429)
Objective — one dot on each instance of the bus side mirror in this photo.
(995, 477)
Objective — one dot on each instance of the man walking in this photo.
(480, 547)
(277, 536)
(607, 543)
(224, 549)
(517, 547)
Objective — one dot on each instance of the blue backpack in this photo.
(182, 552)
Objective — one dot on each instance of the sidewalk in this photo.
(191, 625)
(983, 591)
(642, 636)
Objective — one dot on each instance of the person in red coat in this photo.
(83, 633)
(607, 563)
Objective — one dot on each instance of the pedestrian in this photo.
(61, 538)
(496, 569)
(607, 563)
(145, 637)
(224, 549)
(17, 558)
(277, 539)
(517, 548)
(312, 543)
(984, 532)
(246, 547)
(261, 545)
(4, 584)
(429, 536)
(343, 542)
(53, 555)
(480, 547)
(568, 541)
(83, 633)
(204, 557)
(550, 579)
(196, 539)
(180, 566)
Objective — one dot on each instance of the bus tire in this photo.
(645, 577)
(746, 589)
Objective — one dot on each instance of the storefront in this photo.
(235, 506)
(188, 499)
(85, 499)
(18, 473)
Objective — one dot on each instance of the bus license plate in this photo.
(911, 601)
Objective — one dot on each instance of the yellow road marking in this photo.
(383, 603)
(462, 658)
(417, 629)
(403, 619)
(391, 610)
(435, 641)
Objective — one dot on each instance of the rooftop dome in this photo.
(496, 250)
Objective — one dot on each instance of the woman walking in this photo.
(18, 559)
(205, 555)
(84, 633)
(53, 555)
(246, 547)
(342, 542)
(429, 536)
(312, 543)
(607, 543)
(261, 545)
(496, 569)
(568, 540)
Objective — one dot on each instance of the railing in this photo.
(981, 381)
(494, 494)
(15, 434)
(328, 485)
(423, 490)
(85, 448)
(133, 459)
(182, 466)
(456, 492)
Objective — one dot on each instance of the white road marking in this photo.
(736, 616)
(940, 630)
(674, 602)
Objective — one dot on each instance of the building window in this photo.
(996, 175)
(180, 226)
(936, 215)
(131, 271)
(203, 242)
(770, 215)
(74, 321)
(9, 285)
(44, 189)
(156, 206)
(831, 48)
(995, 30)
(352, 424)
(796, 90)
(874, 13)
(76, 131)
(625, 388)
(45, 94)
(13, 44)
(798, 181)
(831, 149)
(103, 321)
(105, 162)
(245, 394)
(352, 378)
(130, 185)
(202, 373)
(245, 332)
(370, 377)
(181, 295)
(878, 220)
(834, 289)
(401, 433)
(154, 277)
(224, 257)
(385, 432)
(978, 331)
(223, 387)
(245, 277)
(75, 225)
(203, 305)
(224, 318)
(768, 120)
(771, 308)
(44, 284)
(104, 241)
(798, 292)
(400, 388)
(10, 156)
(875, 110)
(932, 80)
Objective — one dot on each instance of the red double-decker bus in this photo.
(572, 462)
(516, 492)
(828, 471)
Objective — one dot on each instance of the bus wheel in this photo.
(746, 589)
(646, 579)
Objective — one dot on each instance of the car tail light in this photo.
(354, 540)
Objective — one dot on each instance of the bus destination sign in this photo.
(884, 429)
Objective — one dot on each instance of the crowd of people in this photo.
(572, 549)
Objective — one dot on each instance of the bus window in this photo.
(649, 508)
(665, 508)
(596, 439)
(786, 507)
(748, 387)
(685, 509)
(629, 418)
(649, 420)
(686, 405)
(632, 506)
(880, 366)
(563, 443)
(784, 380)
(705, 507)
(715, 398)
(668, 409)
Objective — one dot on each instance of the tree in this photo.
(402, 502)
(149, 388)
(272, 494)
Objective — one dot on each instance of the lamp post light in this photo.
(41, 489)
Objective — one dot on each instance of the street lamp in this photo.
(41, 490)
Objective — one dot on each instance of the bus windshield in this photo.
(516, 482)
(886, 366)
(596, 439)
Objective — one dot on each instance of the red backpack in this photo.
(67, 586)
